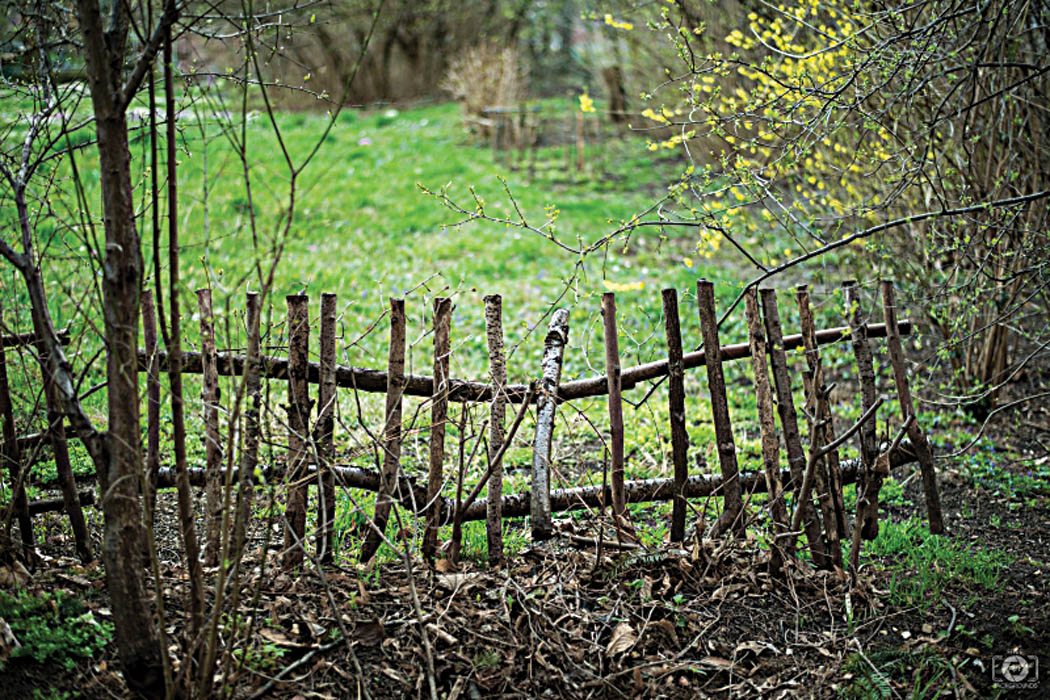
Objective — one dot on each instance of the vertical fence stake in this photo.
(391, 438)
(325, 437)
(298, 425)
(821, 432)
(612, 371)
(253, 402)
(789, 425)
(212, 444)
(13, 458)
(497, 414)
(732, 512)
(770, 440)
(57, 432)
(438, 419)
(149, 328)
(676, 411)
(918, 438)
(553, 352)
(868, 511)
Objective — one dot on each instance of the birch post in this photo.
(212, 439)
(676, 411)
(497, 414)
(391, 438)
(12, 456)
(796, 457)
(149, 329)
(253, 403)
(438, 419)
(732, 511)
(612, 371)
(553, 352)
(821, 430)
(918, 438)
(868, 451)
(298, 425)
(770, 440)
(325, 431)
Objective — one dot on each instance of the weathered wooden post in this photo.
(732, 511)
(553, 352)
(325, 431)
(810, 520)
(612, 372)
(770, 440)
(918, 437)
(298, 425)
(149, 328)
(497, 414)
(12, 456)
(869, 488)
(391, 438)
(253, 403)
(438, 419)
(676, 411)
(821, 432)
(212, 439)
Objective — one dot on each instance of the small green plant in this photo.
(53, 627)
(884, 673)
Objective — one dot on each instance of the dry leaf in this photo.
(717, 662)
(623, 638)
(369, 633)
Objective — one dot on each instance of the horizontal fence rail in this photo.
(375, 381)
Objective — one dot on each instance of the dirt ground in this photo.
(560, 621)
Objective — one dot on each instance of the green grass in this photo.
(920, 566)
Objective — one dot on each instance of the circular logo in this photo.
(1015, 668)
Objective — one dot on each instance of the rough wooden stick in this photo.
(553, 352)
(868, 501)
(12, 456)
(438, 418)
(60, 449)
(789, 425)
(497, 414)
(732, 515)
(518, 505)
(212, 439)
(676, 411)
(325, 430)
(866, 372)
(253, 402)
(298, 425)
(821, 432)
(391, 439)
(375, 381)
(915, 433)
(612, 371)
(149, 329)
(770, 440)
(11, 341)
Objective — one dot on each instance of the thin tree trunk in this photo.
(866, 372)
(149, 327)
(253, 402)
(12, 456)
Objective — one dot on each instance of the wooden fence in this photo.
(815, 478)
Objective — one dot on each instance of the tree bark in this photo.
(553, 352)
(676, 412)
(438, 418)
(497, 414)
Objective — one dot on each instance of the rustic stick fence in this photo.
(815, 482)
